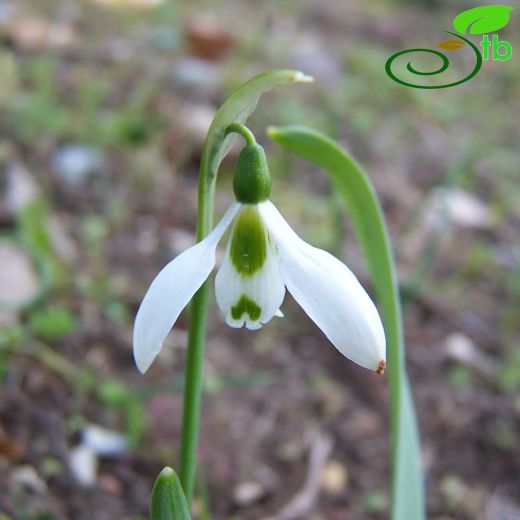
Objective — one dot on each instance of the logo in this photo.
(479, 20)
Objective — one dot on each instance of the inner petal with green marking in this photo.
(246, 305)
(248, 285)
(248, 249)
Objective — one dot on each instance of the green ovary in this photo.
(248, 249)
(246, 305)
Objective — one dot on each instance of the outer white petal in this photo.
(171, 290)
(265, 288)
(329, 293)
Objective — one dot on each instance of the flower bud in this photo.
(252, 180)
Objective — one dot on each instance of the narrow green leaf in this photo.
(483, 19)
(369, 225)
(407, 484)
(168, 501)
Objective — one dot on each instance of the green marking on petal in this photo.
(246, 305)
(248, 249)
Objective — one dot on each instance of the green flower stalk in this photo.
(236, 109)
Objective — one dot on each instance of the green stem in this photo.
(196, 340)
(197, 331)
(236, 108)
(242, 130)
(193, 391)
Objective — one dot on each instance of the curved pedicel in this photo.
(439, 70)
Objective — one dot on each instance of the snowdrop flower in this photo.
(264, 256)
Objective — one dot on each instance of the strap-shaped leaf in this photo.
(483, 19)
(369, 225)
(168, 501)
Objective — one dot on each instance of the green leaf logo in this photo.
(483, 19)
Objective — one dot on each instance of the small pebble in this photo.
(83, 464)
(194, 73)
(248, 493)
(104, 443)
(74, 164)
(334, 478)
(457, 207)
(28, 477)
(20, 190)
(111, 484)
(19, 282)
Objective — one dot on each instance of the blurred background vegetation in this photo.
(104, 106)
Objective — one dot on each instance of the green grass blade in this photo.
(369, 225)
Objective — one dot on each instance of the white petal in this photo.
(171, 290)
(265, 288)
(329, 293)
